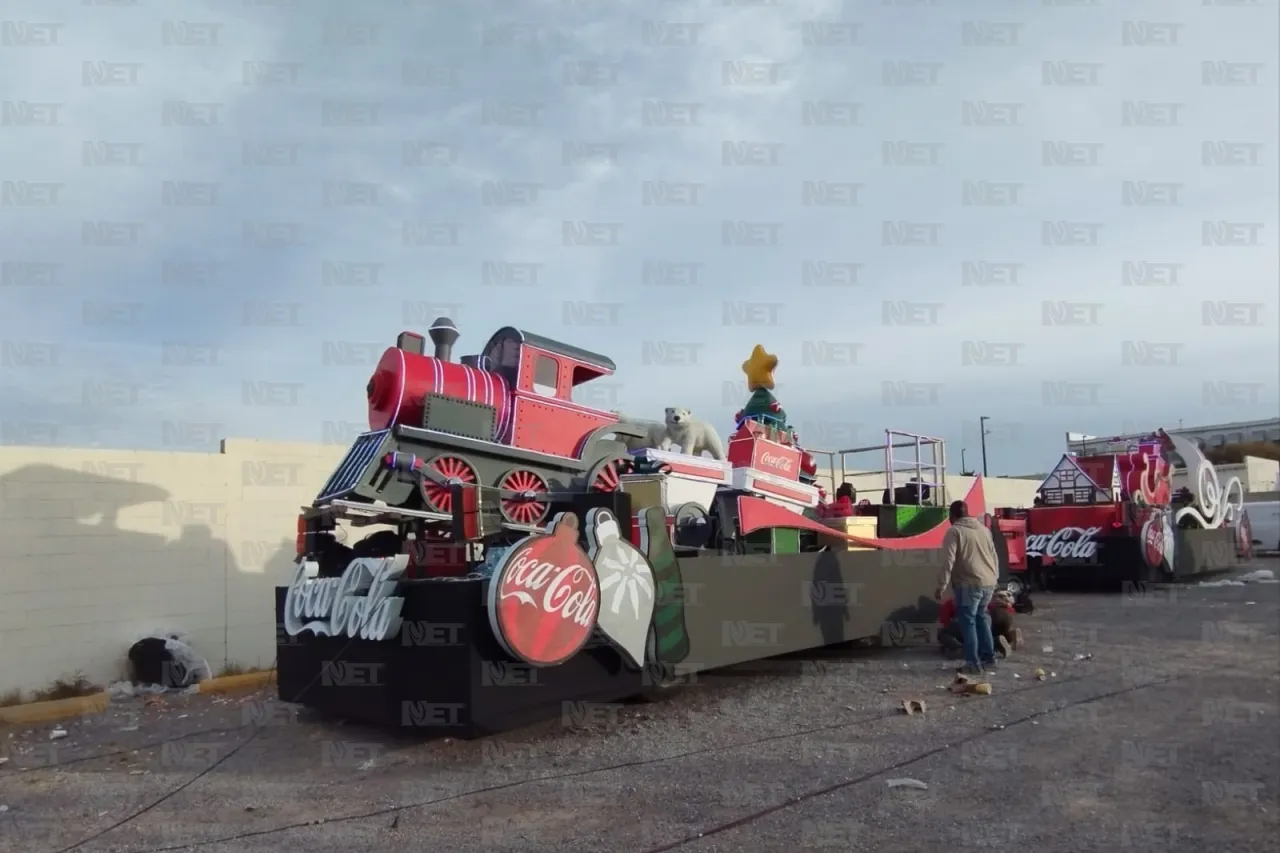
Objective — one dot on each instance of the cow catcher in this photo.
(1113, 518)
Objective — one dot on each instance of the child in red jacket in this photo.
(842, 506)
(1007, 636)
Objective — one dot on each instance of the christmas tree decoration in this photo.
(762, 407)
(763, 448)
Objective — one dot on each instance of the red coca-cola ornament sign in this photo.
(1157, 541)
(544, 596)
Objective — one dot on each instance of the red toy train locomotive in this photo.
(504, 418)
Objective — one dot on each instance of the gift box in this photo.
(769, 457)
(862, 526)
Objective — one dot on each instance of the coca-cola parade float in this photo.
(1115, 517)
(535, 556)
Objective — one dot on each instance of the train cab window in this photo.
(546, 376)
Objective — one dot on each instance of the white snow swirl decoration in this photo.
(1215, 504)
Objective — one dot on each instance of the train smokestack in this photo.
(443, 334)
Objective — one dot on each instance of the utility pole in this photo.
(982, 428)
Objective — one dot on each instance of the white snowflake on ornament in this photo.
(628, 579)
(626, 585)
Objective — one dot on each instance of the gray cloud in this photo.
(273, 191)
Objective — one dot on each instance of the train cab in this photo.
(542, 374)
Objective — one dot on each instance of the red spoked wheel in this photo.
(605, 476)
(456, 471)
(531, 506)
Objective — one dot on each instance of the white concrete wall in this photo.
(1263, 475)
(101, 547)
(1256, 475)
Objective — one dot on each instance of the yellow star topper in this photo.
(759, 369)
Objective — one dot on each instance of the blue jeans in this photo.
(975, 623)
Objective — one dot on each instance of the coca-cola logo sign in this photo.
(776, 461)
(544, 596)
(1069, 543)
(360, 604)
(1157, 542)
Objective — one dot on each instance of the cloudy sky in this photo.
(216, 214)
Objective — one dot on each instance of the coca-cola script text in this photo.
(1069, 543)
(358, 604)
(781, 463)
(565, 591)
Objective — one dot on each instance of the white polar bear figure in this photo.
(655, 437)
(679, 427)
(693, 435)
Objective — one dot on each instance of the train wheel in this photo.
(453, 469)
(532, 506)
(604, 477)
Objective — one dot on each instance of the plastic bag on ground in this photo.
(120, 690)
(163, 662)
(193, 667)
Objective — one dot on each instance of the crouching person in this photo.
(1007, 635)
(950, 637)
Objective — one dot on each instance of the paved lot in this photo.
(1167, 738)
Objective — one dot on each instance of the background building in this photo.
(1214, 435)
(1260, 478)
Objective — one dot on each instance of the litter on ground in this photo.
(1256, 576)
(964, 684)
(908, 783)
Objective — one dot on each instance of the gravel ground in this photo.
(1165, 739)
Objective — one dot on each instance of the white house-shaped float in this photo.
(1081, 480)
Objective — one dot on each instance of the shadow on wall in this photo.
(77, 588)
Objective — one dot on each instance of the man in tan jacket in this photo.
(972, 569)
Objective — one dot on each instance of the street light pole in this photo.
(964, 468)
(982, 428)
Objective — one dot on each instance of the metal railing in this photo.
(935, 466)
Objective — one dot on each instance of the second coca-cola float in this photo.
(532, 565)
(1114, 517)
